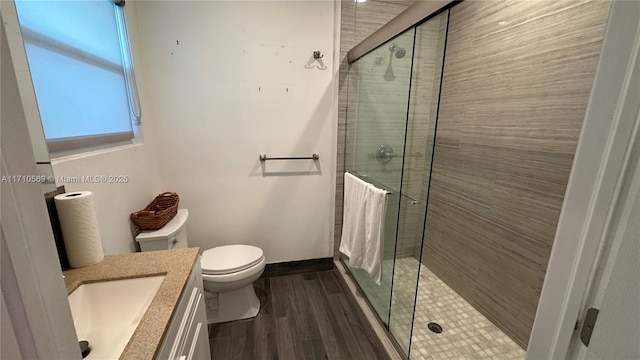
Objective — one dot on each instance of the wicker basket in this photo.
(158, 213)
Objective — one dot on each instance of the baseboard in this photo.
(298, 267)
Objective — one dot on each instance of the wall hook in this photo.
(316, 58)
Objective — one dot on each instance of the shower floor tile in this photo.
(467, 334)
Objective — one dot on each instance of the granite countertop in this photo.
(174, 264)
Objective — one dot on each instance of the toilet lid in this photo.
(229, 259)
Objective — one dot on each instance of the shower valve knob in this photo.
(384, 154)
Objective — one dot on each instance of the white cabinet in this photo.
(187, 337)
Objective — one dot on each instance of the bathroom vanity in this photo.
(174, 325)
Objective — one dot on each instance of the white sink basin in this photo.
(107, 313)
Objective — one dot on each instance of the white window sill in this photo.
(86, 154)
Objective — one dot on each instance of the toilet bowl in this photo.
(228, 272)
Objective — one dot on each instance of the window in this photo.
(81, 68)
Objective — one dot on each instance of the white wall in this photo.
(114, 201)
(204, 63)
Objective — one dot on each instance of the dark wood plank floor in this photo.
(302, 316)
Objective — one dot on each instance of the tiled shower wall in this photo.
(358, 20)
(516, 82)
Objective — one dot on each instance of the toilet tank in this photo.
(171, 236)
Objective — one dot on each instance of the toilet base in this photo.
(233, 305)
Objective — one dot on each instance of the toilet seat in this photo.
(230, 259)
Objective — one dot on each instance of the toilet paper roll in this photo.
(79, 228)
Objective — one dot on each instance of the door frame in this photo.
(594, 185)
(36, 319)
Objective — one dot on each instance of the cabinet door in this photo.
(199, 349)
(197, 344)
(187, 336)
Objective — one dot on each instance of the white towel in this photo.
(362, 240)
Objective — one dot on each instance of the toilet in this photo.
(228, 271)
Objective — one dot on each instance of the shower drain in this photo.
(434, 327)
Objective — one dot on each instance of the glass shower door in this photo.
(392, 109)
(428, 57)
(379, 84)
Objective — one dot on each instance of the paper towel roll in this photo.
(79, 228)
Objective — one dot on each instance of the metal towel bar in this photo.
(414, 201)
(263, 157)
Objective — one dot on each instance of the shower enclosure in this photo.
(393, 96)
(470, 119)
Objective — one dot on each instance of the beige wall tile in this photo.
(516, 82)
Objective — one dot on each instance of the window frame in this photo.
(78, 144)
